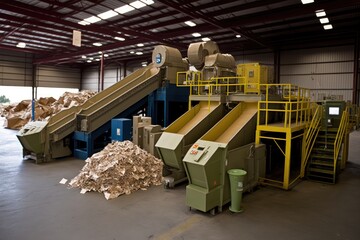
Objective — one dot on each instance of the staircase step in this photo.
(330, 143)
(329, 157)
(329, 130)
(326, 136)
(322, 163)
(322, 149)
(322, 179)
(320, 170)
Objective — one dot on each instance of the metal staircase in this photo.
(325, 158)
(322, 165)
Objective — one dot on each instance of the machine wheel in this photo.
(166, 185)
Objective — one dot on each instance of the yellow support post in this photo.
(257, 136)
(287, 160)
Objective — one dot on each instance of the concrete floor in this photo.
(33, 205)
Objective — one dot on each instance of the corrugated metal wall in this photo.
(15, 68)
(264, 57)
(327, 72)
(112, 74)
(58, 77)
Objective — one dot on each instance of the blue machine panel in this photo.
(121, 129)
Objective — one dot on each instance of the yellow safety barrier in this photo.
(343, 127)
(310, 136)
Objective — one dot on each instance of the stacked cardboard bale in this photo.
(17, 115)
(120, 168)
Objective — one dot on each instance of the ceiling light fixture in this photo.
(97, 44)
(106, 55)
(328, 26)
(120, 38)
(92, 19)
(108, 14)
(196, 34)
(206, 39)
(89, 61)
(320, 13)
(83, 56)
(140, 45)
(324, 20)
(138, 4)
(21, 45)
(91, 58)
(148, 2)
(132, 52)
(307, 1)
(84, 23)
(100, 52)
(124, 9)
(144, 64)
(98, 59)
(238, 36)
(139, 53)
(190, 23)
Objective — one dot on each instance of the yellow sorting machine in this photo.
(227, 145)
(45, 141)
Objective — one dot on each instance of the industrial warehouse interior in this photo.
(171, 119)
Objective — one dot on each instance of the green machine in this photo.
(228, 145)
(332, 113)
(178, 137)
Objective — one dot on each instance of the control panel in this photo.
(197, 151)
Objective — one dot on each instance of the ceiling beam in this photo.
(189, 12)
(11, 32)
(289, 12)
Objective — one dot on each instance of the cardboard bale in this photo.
(44, 108)
(46, 100)
(15, 121)
(22, 105)
(120, 168)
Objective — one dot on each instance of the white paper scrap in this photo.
(83, 191)
(63, 181)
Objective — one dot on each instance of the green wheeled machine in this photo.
(228, 145)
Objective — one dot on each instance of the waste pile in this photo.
(120, 168)
(17, 115)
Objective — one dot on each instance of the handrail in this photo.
(340, 135)
(310, 137)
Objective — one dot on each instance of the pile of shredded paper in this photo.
(121, 168)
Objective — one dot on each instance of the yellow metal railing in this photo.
(340, 135)
(294, 106)
(310, 136)
(215, 85)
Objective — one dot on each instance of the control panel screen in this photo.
(334, 111)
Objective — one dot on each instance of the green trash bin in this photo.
(236, 185)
